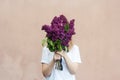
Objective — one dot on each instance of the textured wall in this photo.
(97, 27)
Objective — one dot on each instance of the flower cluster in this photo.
(59, 33)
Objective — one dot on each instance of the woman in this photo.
(70, 61)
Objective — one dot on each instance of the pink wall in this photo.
(97, 27)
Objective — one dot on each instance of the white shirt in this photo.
(73, 54)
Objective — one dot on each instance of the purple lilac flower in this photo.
(56, 31)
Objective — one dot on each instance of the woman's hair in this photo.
(70, 44)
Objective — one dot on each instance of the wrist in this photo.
(64, 55)
(53, 60)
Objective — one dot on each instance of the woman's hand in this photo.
(72, 66)
(47, 68)
(62, 53)
(56, 56)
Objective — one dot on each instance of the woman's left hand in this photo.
(62, 53)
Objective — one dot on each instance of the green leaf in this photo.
(44, 42)
(60, 47)
(50, 45)
(66, 27)
(66, 49)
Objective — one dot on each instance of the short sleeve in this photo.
(45, 56)
(76, 54)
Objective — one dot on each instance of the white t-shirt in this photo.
(73, 54)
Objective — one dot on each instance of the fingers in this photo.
(60, 53)
(57, 57)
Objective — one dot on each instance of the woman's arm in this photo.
(47, 68)
(72, 66)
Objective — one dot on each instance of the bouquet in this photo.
(58, 35)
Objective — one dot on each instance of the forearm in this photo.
(71, 65)
(47, 69)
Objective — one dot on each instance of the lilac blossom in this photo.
(59, 32)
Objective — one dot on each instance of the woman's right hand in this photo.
(56, 57)
(47, 68)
